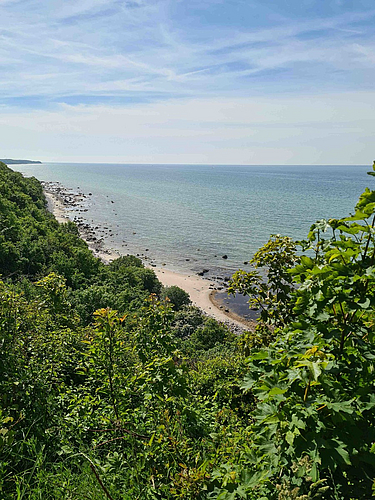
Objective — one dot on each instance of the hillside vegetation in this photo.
(112, 387)
(10, 161)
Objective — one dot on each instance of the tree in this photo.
(176, 296)
(313, 426)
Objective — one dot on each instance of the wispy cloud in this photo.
(114, 46)
(199, 66)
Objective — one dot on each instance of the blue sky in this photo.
(170, 81)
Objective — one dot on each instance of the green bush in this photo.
(105, 392)
(176, 296)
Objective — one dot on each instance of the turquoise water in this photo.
(202, 212)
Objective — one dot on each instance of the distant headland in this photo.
(9, 161)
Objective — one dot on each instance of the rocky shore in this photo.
(72, 204)
(68, 204)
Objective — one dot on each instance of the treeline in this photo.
(112, 386)
(9, 161)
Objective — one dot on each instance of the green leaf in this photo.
(368, 405)
(323, 316)
(276, 390)
(365, 304)
(344, 455)
(314, 473)
(272, 419)
(353, 229)
(151, 439)
(307, 262)
(342, 406)
(260, 355)
(248, 383)
(300, 424)
(314, 369)
(357, 216)
(366, 198)
(289, 437)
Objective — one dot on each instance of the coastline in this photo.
(201, 290)
(57, 206)
(202, 295)
(247, 323)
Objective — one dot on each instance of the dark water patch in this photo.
(237, 304)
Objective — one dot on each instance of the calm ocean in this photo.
(202, 212)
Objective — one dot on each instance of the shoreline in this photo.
(201, 290)
(57, 206)
(249, 324)
(202, 295)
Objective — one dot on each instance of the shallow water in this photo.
(189, 216)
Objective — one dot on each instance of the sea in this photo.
(188, 217)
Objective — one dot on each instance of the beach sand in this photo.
(201, 294)
(200, 290)
(56, 206)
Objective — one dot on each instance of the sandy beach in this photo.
(200, 290)
(56, 206)
(202, 295)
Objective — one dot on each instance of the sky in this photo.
(198, 81)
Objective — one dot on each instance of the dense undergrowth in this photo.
(112, 387)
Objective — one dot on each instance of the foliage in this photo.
(208, 336)
(315, 383)
(176, 296)
(186, 321)
(106, 391)
(32, 243)
(271, 294)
